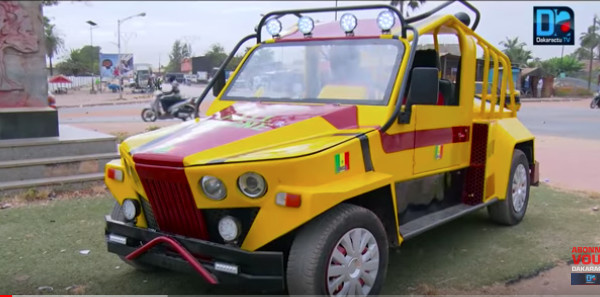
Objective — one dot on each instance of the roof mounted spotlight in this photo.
(385, 21)
(463, 17)
(348, 23)
(274, 27)
(306, 25)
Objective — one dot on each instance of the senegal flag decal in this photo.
(439, 151)
(342, 162)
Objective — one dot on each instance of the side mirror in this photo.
(219, 83)
(422, 90)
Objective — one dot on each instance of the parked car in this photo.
(191, 78)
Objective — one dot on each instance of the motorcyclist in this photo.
(171, 97)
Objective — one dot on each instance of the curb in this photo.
(552, 99)
(103, 104)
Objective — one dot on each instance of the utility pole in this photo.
(92, 26)
(591, 56)
(119, 54)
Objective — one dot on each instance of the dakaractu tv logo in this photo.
(553, 25)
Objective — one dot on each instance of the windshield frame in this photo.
(356, 41)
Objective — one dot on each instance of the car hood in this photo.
(248, 131)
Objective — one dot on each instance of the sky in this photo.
(202, 23)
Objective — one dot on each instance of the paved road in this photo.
(573, 120)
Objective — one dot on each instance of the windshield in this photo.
(334, 71)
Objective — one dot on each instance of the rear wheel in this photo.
(148, 115)
(511, 210)
(342, 252)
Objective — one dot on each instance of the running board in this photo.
(430, 221)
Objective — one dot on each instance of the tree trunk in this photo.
(50, 59)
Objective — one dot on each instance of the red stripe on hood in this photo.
(237, 122)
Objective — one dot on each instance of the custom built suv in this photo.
(329, 144)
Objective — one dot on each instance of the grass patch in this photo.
(41, 244)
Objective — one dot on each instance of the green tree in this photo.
(179, 51)
(82, 61)
(412, 4)
(567, 64)
(216, 55)
(53, 42)
(515, 50)
(590, 39)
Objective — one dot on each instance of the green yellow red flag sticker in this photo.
(342, 162)
(439, 151)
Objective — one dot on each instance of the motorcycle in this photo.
(183, 109)
(595, 102)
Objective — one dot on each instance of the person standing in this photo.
(540, 87)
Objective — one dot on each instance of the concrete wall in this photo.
(24, 110)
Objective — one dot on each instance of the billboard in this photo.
(111, 67)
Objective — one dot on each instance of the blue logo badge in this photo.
(553, 25)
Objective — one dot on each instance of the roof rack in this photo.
(444, 5)
(280, 13)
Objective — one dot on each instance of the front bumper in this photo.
(263, 270)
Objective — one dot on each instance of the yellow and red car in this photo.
(329, 144)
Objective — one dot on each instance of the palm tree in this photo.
(412, 4)
(54, 43)
(590, 39)
(515, 50)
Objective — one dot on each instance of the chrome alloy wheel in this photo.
(519, 188)
(353, 265)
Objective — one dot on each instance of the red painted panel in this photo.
(415, 139)
(237, 122)
(392, 143)
(345, 118)
(170, 196)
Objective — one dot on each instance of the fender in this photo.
(504, 135)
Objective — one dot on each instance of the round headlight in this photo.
(274, 27)
(229, 228)
(252, 184)
(213, 187)
(131, 209)
(386, 20)
(305, 25)
(348, 22)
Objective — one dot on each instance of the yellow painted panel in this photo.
(453, 154)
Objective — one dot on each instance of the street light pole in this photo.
(92, 26)
(591, 55)
(119, 22)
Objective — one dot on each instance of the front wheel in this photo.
(594, 103)
(148, 115)
(511, 210)
(342, 252)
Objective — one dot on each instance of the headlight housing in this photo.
(229, 228)
(213, 187)
(131, 209)
(252, 184)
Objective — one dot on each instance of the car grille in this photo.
(172, 206)
(148, 214)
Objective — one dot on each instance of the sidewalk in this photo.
(555, 99)
(83, 98)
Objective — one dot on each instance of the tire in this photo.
(594, 103)
(148, 115)
(511, 210)
(312, 253)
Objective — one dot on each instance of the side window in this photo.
(450, 65)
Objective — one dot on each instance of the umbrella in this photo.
(59, 79)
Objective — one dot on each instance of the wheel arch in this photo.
(381, 202)
(505, 136)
